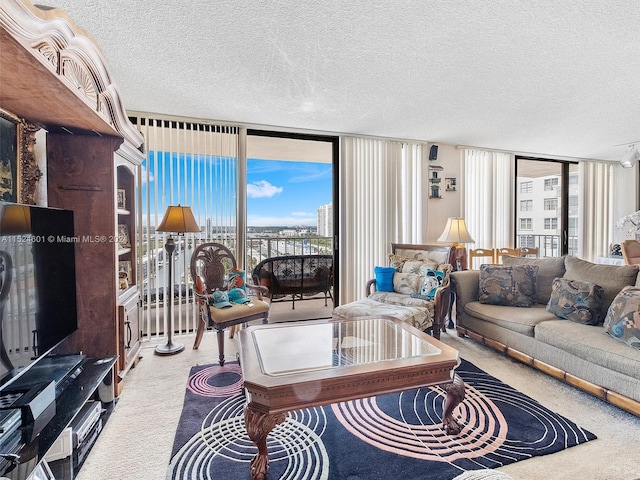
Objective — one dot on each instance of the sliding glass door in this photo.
(547, 206)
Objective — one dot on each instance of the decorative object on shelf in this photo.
(434, 181)
(180, 220)
(630, 224)
(615, 250)
(124, 267)
(450, 184)
(456, 233)
(123, 236)
(121, 199)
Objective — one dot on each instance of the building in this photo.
(325, 220)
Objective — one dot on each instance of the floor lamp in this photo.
(456, 233)
(180, 220)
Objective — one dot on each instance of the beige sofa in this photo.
(581, 355)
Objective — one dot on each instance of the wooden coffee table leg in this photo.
(455, 394)
(258, 426)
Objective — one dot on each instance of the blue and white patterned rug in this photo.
(388, 436)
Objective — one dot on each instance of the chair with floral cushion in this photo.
(216, 277)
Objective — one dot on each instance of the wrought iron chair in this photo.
(631, 252)
(211, 264)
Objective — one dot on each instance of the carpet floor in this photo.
(396, 435)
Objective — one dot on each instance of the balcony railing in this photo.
(548, 245)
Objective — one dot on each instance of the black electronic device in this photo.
(433, 152)
(37, 287)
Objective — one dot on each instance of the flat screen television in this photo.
(37, 285)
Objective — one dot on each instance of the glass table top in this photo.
(304, 347)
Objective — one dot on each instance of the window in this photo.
(526, 205)
(526, 224)
(573, 179)
(527, 241)
(550, 223)
(550, 203)
(526, 187)
(573, 201)
(549, 183)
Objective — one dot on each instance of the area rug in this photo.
(388, 436)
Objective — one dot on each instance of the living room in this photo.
(543, 116)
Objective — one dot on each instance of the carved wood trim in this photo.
(72, 55)
(29, 173)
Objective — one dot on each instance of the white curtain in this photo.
(382, 185)
(488, 197)
(596, 221)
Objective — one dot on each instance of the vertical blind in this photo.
(382, 185)
(488, 197)
(190, 164)
(596, 222)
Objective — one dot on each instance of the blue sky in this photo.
(286, 193)
(279, 192)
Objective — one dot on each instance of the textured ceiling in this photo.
(544, 77)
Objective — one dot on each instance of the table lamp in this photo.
(456, 233)
(180, 220)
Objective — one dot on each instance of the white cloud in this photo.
(262, 189)
(303, 214)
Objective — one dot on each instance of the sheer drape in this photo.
(488, 197)
(596, 222)
(382, 202)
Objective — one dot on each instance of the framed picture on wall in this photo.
(450, 184)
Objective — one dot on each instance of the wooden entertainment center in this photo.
(55, 82)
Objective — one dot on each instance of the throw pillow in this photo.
(418, 268)
(406, 283)
(612, 278)
(622, 320)
(548, 269)
(237, 279)
(384, 278)
(398, 261)
(508, 285)
(580, 302)
(433, 279)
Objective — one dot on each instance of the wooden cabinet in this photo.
(129, 333)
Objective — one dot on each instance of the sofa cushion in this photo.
(622, 321)
(520, 320)
(579, 302)
(612, 278)
(384, 278)
(508, 285)
(394, 298)
(591, 344)
(548, 269)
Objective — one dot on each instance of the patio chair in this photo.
(211, 264)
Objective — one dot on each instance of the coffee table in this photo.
(290, 366)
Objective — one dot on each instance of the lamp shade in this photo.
(455, 232)
(178, 219)
(15, 220)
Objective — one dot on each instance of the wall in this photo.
(450, 205)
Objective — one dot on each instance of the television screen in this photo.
(37, 284)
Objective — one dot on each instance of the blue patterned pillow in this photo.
(513, 285)
(622, 321)
(580, 302)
